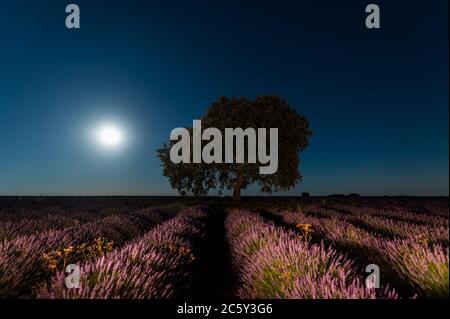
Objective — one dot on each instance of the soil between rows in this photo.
(214, 276)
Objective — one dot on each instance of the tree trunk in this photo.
(237, 189)
(237, 193)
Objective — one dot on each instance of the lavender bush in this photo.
(153, 266)
(273, 263)
(413, 260)
(21, 260)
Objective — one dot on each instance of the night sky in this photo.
(377, 100)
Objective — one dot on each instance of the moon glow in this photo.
(110, 136)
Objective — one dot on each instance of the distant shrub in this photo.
(305, 194)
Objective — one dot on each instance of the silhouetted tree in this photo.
(263, 112)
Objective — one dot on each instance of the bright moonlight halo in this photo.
(110, 136)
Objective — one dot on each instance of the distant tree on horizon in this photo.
(267, 111)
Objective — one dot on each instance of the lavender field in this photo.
(272, 248)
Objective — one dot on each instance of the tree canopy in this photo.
(267, 111)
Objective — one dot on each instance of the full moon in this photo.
(110, 136)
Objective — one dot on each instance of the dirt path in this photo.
(214, 279)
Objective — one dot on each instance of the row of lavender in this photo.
(156, 265)
(28, 222)
(86, 210)
(436, 217)
(421, 206)
(23, 266)
(390, 223)
(416, 256)
(418, 206)
(272, 262)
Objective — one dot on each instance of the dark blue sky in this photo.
(377, 100)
